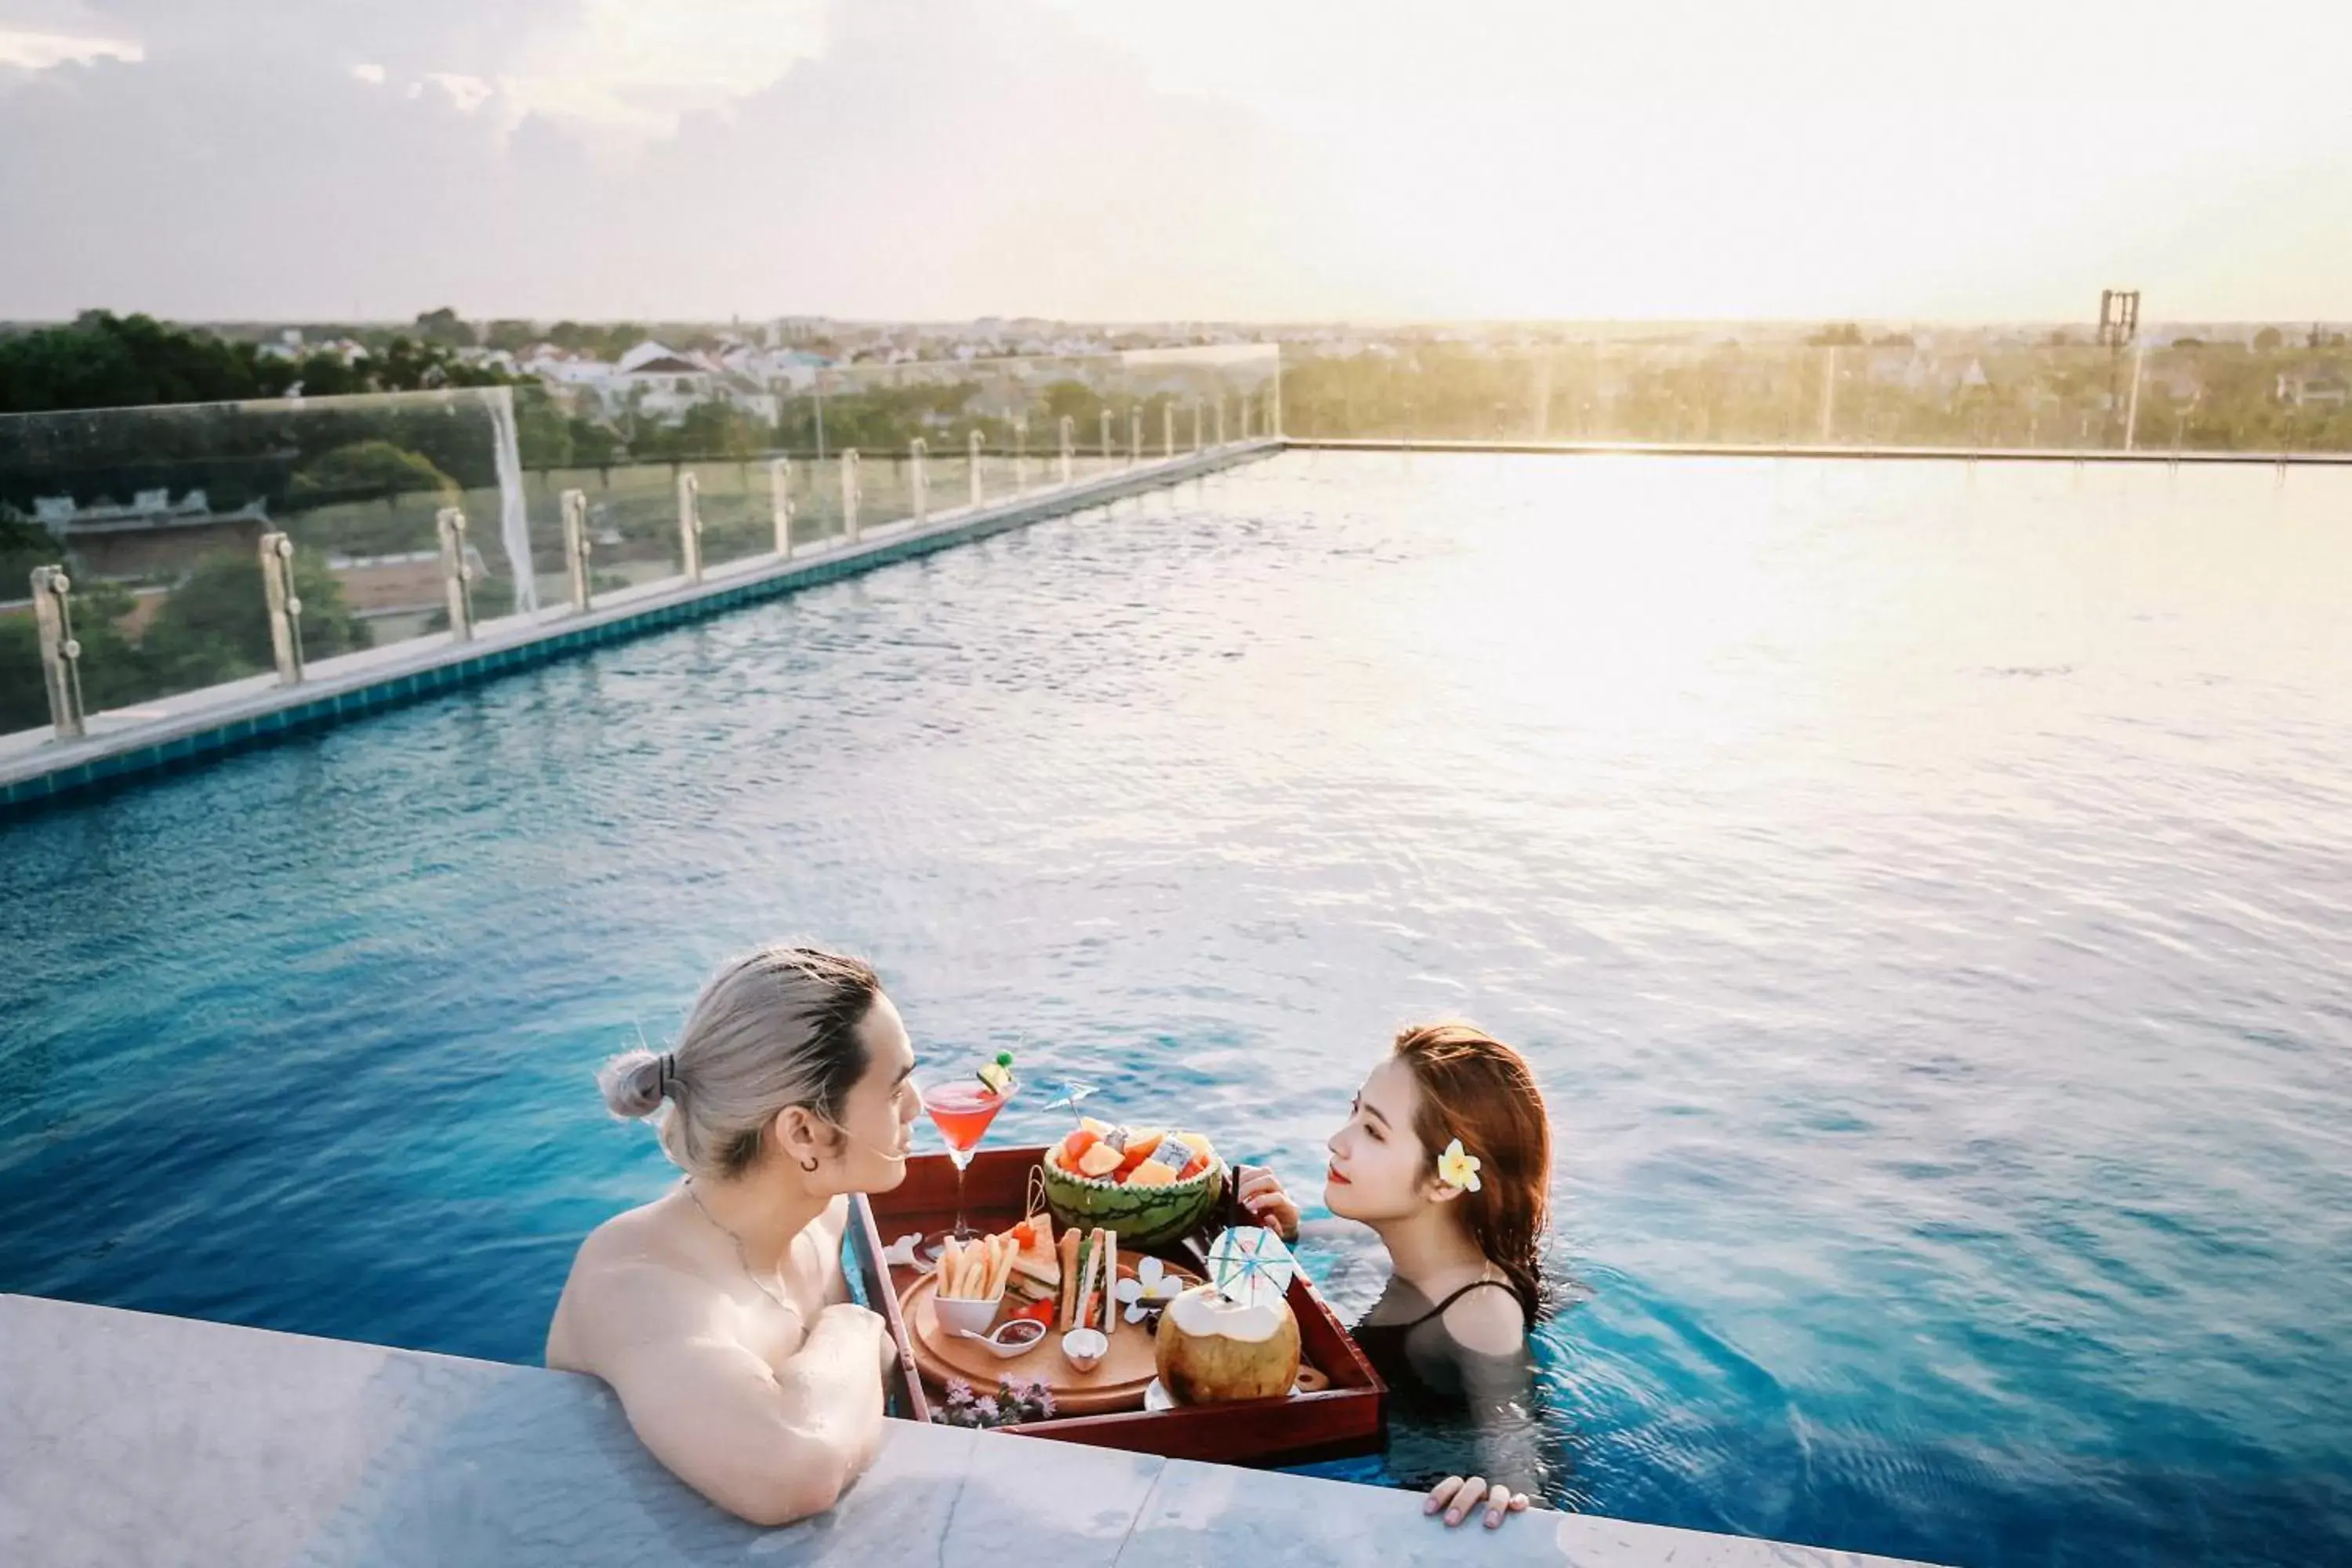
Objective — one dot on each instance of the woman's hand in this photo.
(1261, 1193)
(1460, 1498)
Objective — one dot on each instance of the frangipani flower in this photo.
(1458, 1170)
(901, 1254)
(1150, 1290)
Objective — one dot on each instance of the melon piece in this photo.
(1151, 1173)
(1073, 1147)
(1200, 1144)
(1099, 1161)
(1140, 1146)
(1211, 1350)
(1099, 1129)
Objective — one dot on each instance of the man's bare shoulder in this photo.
(630, 1282)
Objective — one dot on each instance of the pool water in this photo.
(1925, 892)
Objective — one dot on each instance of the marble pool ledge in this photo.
(127, 1438)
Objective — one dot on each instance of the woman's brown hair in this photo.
(1474, 1088)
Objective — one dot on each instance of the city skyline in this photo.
(1018, 158)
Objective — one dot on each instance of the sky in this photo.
(1132, 160)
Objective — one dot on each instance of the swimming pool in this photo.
(1926, 893)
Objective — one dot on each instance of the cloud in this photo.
(1572, 158)
(940, 161)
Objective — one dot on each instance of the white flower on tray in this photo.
(1149, 1292)
(901, 1254)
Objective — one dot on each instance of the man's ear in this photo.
(796, 1134)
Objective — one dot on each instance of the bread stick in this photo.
(1110, 1283)
(1069, 1250)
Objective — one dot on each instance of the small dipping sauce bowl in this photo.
(1084, 1348)
(1015, 1336)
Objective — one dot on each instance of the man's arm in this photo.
(769, 1447)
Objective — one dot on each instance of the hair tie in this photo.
(668, 1069)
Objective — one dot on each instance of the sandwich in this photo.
(1034, 1276)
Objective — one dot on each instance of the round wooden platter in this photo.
(1116, 1383)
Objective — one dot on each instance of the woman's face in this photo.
(1379, 1169)
(878, 1117)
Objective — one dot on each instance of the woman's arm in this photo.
(1488, 1330)
(770, 1447)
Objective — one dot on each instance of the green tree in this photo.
(2267, 341)
(367, 471)
(105, 361)
(115, 671)
(216, 624)
(443, 327)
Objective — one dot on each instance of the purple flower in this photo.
(986, 1409)
(959, 1392)
(1045, 1403)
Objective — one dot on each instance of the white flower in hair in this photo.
(1458, 1170)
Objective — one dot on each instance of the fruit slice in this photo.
(1075, 1147)
(1099, 1161)
(1151, 1173)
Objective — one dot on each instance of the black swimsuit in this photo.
(1385, 1346)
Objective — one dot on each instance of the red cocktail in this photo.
(961, 1108)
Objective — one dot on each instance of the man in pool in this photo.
(719, 1312)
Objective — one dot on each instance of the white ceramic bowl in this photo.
(1084, 1348)
(960, 1316)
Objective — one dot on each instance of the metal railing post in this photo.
(780, 503)
(689, 524)
(1196, 425)
(918, 450)
(1166, 429)
(1020, 456)
(1107, 455)
(2131, 421)
(849, 494)
(1134, 436)
(60, 652)
(1828, 394)
(972, 446)
(1221, 419)
(449, 524)
(285, 607)
(576, 546)
(1069, 450)
(1243, 399)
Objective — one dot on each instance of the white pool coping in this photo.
(130, 1439)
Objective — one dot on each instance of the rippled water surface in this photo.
(1926, 893)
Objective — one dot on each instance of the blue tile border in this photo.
(200, 747)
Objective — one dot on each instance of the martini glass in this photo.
(961, 1108)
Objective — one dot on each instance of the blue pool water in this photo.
(1926, 893)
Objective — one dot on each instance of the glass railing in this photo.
(209, 545)
(1967, 391)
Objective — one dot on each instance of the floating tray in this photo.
(1117, 1383)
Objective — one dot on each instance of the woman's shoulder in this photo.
(1487, 1318)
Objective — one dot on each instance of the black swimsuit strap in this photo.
(1475, 1284)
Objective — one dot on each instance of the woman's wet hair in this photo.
(1474, 1088)
(774, 1029)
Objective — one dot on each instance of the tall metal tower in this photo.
(2118, 326)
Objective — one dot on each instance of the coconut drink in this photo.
(1213, 1348)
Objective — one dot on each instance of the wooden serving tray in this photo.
(1117, 1383)
(1346, 1415)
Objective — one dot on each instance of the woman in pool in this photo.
(719, 1311)
(1446, 1155)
